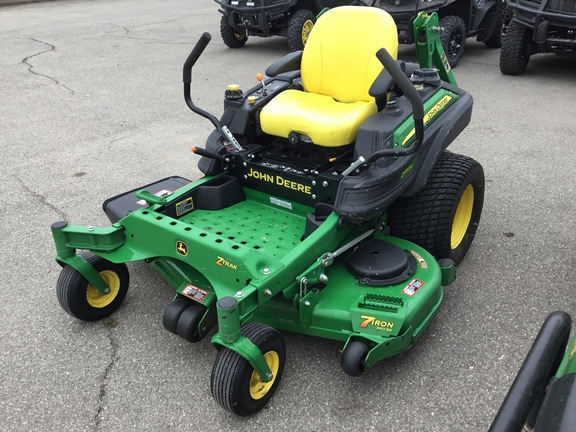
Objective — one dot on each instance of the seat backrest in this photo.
(339, 58)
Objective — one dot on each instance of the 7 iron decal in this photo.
(377, 324)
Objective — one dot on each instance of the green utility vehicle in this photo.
(330, 207)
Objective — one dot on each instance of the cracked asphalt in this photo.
(91, 105)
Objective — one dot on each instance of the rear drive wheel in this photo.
(443, 217)
(299, 28)
(230, 36)
(234, 383)
(82, 300)
(453, 38)
(353, 357)
(514, 54)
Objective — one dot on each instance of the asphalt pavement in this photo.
(91, 105)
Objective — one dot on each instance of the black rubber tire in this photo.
(504, 17)
(352, 360)
(427, 218)
(187, 326)
(299, 29)
(514, 56)
(230, 36)
(173, 312)
(453, 38)
(72, 289)
(231, 374)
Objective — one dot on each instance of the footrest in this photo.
(122, 205)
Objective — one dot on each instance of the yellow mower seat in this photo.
(338, 67)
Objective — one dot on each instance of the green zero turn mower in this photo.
(329, 207)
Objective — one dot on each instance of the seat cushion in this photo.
(325, 121)
(339, 58)
(339, 65)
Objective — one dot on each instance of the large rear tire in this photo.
(514, 56)
(443, 217)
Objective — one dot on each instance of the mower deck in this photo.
(250, 249)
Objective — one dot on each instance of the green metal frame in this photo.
(428, 46)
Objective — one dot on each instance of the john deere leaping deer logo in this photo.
(181, 248)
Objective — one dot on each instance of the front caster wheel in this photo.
(187, 327)
(82, 300)
(234, 383)
(353, 358)
(173, 312)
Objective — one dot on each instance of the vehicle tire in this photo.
(299, 27)
(453, 38)
(230, 36)
(187, 327)
(443, 217)
(353, 357)
(82, 300)
(504, 17)
(514, 55)
(173, 312)
(234, 383)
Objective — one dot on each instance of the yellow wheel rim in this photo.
(239, 36)
(258, 389)
(462, 217)
(97, 300)
(306, 29)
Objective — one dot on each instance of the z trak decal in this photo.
(223, 263)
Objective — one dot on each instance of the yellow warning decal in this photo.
(184, 206)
